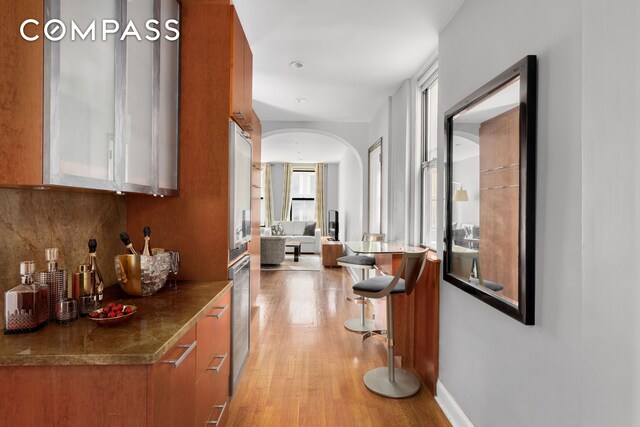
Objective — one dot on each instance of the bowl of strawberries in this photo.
(112, 314)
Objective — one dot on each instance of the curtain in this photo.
(268, 196)
(320, 211)
(286, 192)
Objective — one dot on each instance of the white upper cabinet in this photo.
(111, 100)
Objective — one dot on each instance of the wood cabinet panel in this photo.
(213, 333)
(241, 105)
(172, 385)
(21, 85)
(247, 89)
(60, 396)
(237, 68)
(196, 221)
(213, 363)
(212, 390)
(499, 201)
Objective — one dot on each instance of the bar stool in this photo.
(363, 263)
(389, 381)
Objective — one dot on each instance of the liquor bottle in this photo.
(127, 242)
(56, 280)
(99, 286)
(26, 307)
(147, 237)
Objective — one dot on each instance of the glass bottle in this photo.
(55, 278)
(26, 307)
(99, 285)
(127, 242)
(147, 237)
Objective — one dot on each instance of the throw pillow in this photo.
(277, 230)
(309, 229)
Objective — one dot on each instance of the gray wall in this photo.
(610, 351)
(499, 371)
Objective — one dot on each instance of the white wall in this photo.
(332, 185)
(611, 213)
(350, 207)
(277, 181)
(379, 128)
(499, 371)
(352, 192)
(399, 165)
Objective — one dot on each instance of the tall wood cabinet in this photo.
(196, 223)
(241, 109)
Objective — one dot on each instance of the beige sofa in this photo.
(293, 230)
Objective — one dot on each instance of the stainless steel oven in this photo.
(240, 318)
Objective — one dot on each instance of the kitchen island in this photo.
(166, 365)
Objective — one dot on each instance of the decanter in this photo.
(26, 307)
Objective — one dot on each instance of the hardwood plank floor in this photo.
(306, 369)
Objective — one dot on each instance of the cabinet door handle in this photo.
(217, 368)
(217, 422)
(238, 115)
(222, 310)
(178, 362)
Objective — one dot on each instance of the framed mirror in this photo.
(490, 192)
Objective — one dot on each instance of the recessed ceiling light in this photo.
(296, 65)
(301, 100)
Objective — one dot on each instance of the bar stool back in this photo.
(363, 263)
(389, 381)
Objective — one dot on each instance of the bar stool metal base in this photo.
(405, 384)
(356, 325)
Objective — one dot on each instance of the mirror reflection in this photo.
(485, 193)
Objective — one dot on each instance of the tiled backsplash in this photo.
(31, 221)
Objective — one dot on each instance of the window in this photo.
(429, 175)
(303, 195)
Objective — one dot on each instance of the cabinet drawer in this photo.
(213, 332)
(212, 391)
(173, 384)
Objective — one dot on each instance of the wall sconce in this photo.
(460, 195)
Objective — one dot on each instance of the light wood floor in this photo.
(305, 369)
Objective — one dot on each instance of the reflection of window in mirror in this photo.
(485, 219)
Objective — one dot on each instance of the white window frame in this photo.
(426, 81)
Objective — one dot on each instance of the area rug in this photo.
(305, 263)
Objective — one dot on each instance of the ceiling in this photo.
(302, 147)
(356, 53)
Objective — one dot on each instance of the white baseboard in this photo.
(450, 407)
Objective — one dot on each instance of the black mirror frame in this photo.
(527, 70)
